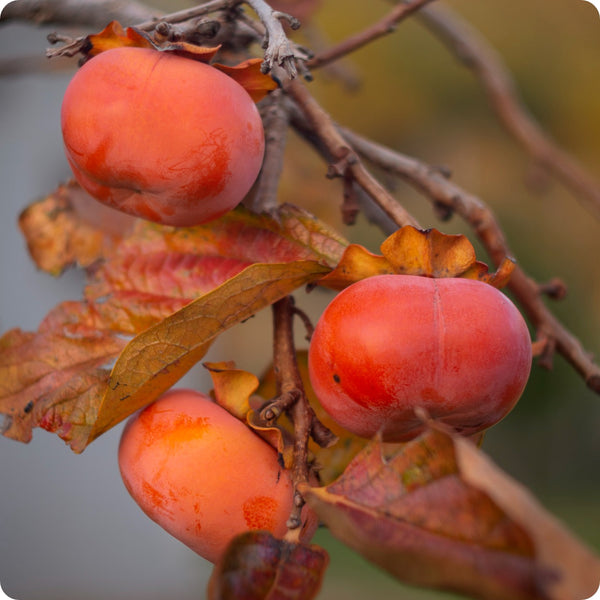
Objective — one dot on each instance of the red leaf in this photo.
(257, 566)
(138, 279)
(438, 513)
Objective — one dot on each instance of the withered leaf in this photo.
(154, 360)
(234, 391)
(411, 251)
(232, 387)
(68, 228)
(357, 263)
(53, 381)
(249, 75)
(114, 35)
(141, 277)
(257, 566)
(437, 513)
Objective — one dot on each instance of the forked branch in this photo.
(291, 389)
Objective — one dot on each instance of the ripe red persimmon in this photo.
(161, 137)
(204, 476)
(456, 347)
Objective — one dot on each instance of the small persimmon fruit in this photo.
(160, 136)
(385, 345)
(203, 475)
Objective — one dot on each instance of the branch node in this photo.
(555, 289)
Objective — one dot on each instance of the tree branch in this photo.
(92, 13)
(276, 122)
(528, 293)
(379, 29)
(346, 160)
(291, 390)
(476, 54)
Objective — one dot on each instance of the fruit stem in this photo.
(291, 388)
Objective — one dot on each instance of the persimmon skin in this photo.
(456, 347)
(202, 475)
(161, 137)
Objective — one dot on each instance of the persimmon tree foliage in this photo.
(425, 504)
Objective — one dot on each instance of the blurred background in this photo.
(68, 528)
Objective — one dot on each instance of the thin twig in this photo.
(528, 293)
(346, 160)
(279, 51)
(190, 13)
(476, 54)
(379, 29)
(289, 384)
(92, 13)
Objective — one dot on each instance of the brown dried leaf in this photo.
(411, 251)
(232, 387)
(357, 263)
(115, 36)
(135, 281)
(233, 390)
(249, 75)
(498, 279)
(52, 380)
(68, 228)
(437, 513)
(153, 361)
(257, 566)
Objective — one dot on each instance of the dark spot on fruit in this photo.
(28, 407)
(336, 378)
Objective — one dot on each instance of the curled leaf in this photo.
(438, 513)
(232, 387)
(233, 390)
(249, 75)
(115, 36)
(411, 251)
(257, 566)
(357, 263)
(498, 279)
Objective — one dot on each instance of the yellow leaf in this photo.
(413, 251)
(154, 360)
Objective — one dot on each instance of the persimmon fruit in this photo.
(203, 475)
(458, 348)
(160, 136)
